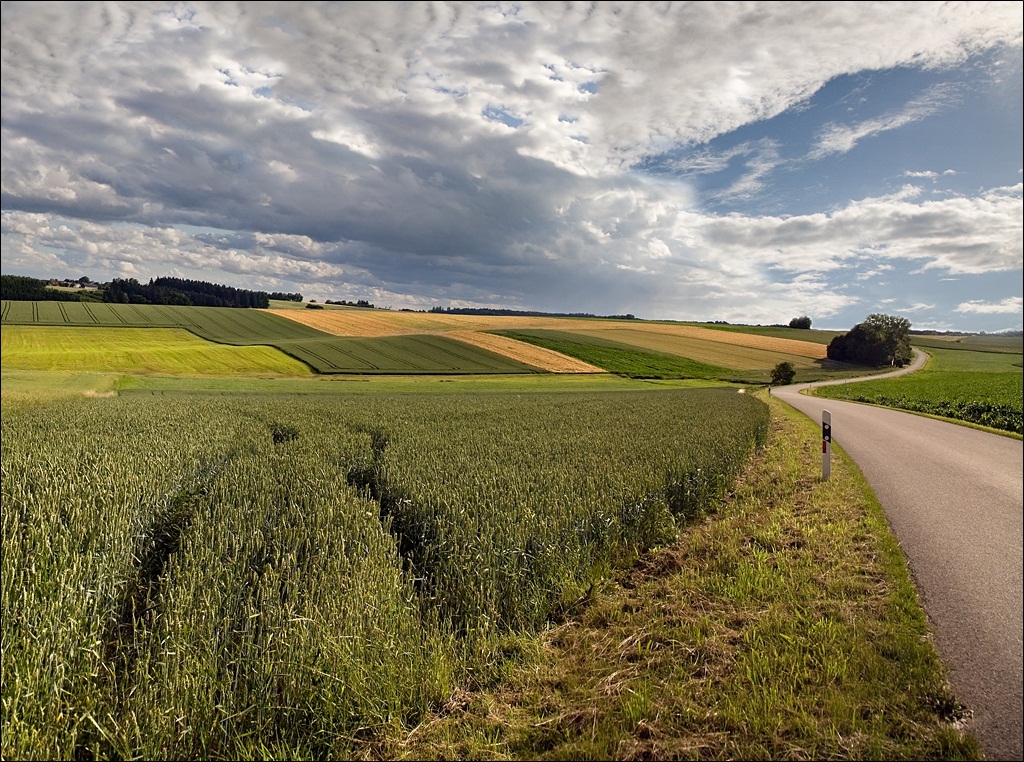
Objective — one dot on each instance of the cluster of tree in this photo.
(184, 292)
(24, 289)
(879, 340)
(360, 303)
(283, 297)
(523, 313)
(800, 322)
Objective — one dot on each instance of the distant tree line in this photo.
(522, 313)
(283, 297)
(359, 303)
(183, 292)
(24, 289)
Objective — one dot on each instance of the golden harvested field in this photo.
(546, 359)
(740, 351)
(796, 347)
(370, 323)
(712, 351)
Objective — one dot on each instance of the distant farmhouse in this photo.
(80, 283)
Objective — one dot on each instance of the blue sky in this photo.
(747, 162)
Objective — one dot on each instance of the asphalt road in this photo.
(953, 497)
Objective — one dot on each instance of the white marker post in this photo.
(826, 444)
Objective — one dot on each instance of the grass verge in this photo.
(785, 626)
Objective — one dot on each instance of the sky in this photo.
(747, 162)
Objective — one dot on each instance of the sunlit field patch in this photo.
(555, 362)
(754, 352)
(138, 350)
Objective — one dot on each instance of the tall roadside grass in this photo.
(189, 576)
(784, 626)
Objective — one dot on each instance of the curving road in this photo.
(953, 497)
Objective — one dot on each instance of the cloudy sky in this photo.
(748, 162)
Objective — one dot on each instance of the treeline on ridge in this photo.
(163, 290)
(521, 313)
(21, 288)
(183, 292)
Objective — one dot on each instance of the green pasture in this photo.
(492, 383)
(322, 352)
(976, 342)
(982, 388)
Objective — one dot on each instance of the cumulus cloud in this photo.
(471, 153)
(929, 174)
(1011, 306)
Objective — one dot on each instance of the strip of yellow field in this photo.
(726, 355)
(357, 322)
(371, 323)
(538, 357)
(808, 349)
(171, 351)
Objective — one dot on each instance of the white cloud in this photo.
(1011, 306)
(919, 307)
(929, 174)
(843, 138)
(348, 146)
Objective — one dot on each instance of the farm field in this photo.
(166, 351)
(622, 359)
(310, 576)
(983, 388)
(976, 342)
(318, 566)
(722, 358)
(741, 354)
(367, 341)
(284, 571)
(219, 324)
(242, 327)
(354, 322)
(813, 336)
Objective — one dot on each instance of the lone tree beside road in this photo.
(783, 374)
(879, 340)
